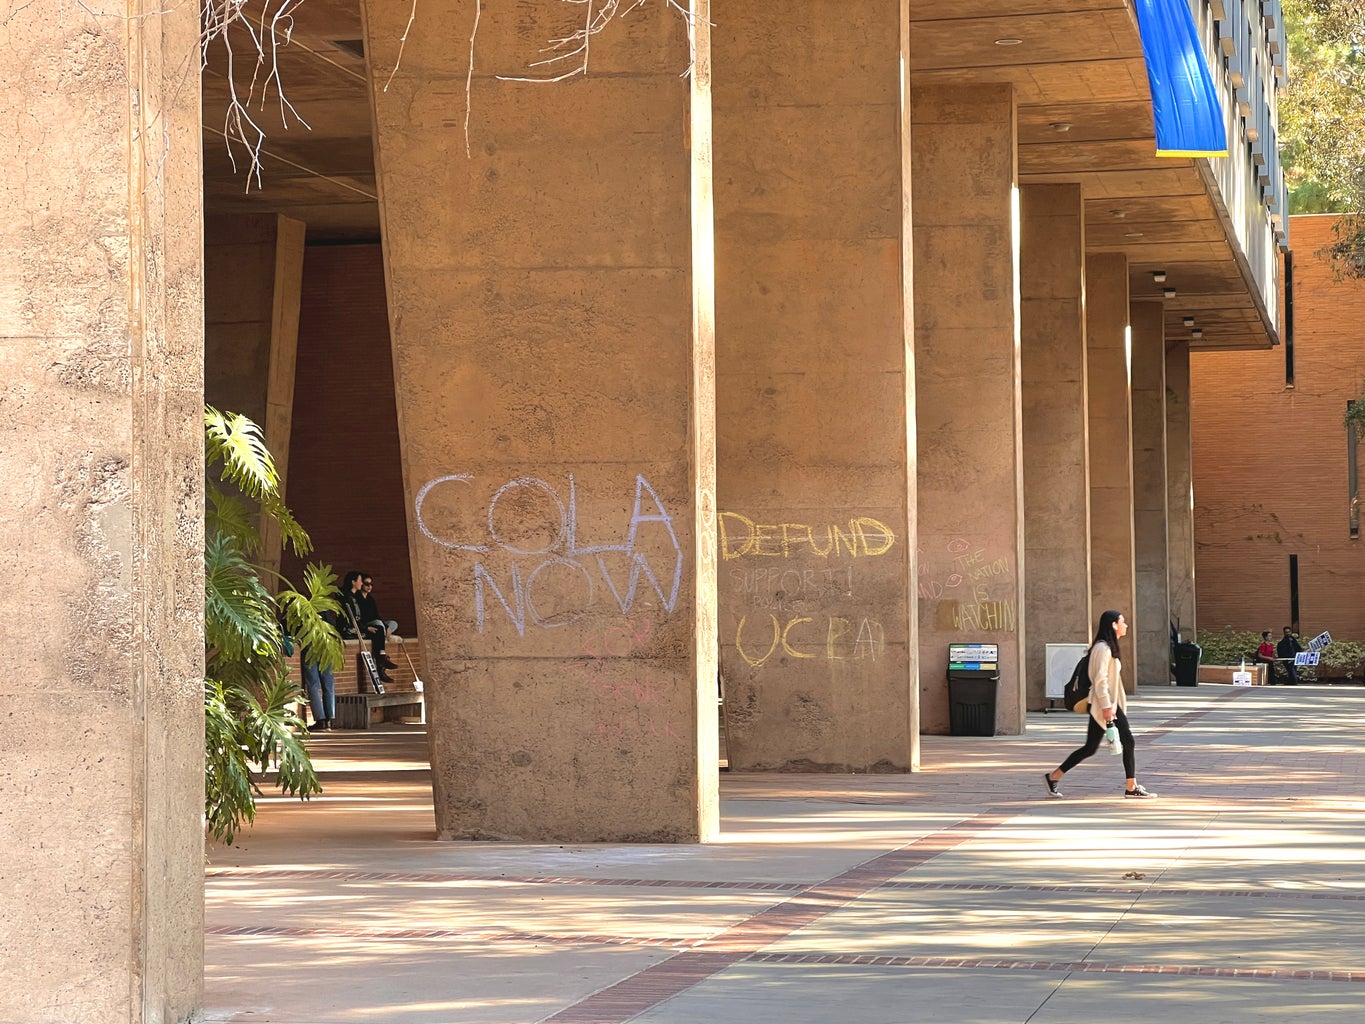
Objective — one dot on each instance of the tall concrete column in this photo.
(1180, 489)
(253, 284)
(1056, 464)
(554, 367)
(971, 507)
(101, 515)
(1112, 567)
(1149, 493)
(814, 380)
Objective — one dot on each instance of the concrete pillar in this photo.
(1112, 577)
(554, 366)
(253, 280)
(1179, 489)
(101, 516)
(1149, 493)
(813, 384)
(1056, 463)
(970, 473)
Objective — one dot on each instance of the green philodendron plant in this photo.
(250, 725)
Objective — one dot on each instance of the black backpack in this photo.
(1076, 692)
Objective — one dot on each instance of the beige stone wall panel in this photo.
(101, 777)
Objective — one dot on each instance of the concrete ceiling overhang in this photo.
(1081, 66)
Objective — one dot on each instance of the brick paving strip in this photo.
(640, 992)
(701, 959)
(329, 875)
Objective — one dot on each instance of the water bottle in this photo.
(1111, 736)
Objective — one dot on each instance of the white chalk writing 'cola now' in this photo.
(565, 572)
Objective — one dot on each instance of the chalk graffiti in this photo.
(740, 536)
(791, 589)
(559, 556)
(969, 566)
(978, 616)
(837, 640)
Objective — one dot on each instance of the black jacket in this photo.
(1288, 647)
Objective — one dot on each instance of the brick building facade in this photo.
(1276, 540)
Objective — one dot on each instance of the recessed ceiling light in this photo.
(1159, 276)
(1008, 41)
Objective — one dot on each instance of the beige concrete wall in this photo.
(552, 316)
(253, 279)
(970, 479)
(1179, 489)
(1112, 577)
(812, 389)
(101, 516)
(1056, 465)
(1149, 493)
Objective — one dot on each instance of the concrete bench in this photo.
(359, 710)
(1223, 673)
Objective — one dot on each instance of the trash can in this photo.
(971, 703)
(1187, 664)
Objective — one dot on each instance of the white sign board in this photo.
(1306, 658)
(1242, 678)
(1320, 641)
(1061, 662)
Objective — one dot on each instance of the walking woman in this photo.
(1106, 708)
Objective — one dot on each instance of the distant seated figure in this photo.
(359, 615)
(1265, 655)
(378, 628)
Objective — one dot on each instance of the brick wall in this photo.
(1270, 464)
(345, 471)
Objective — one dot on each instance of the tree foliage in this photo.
(1322, 127)
(249, 725)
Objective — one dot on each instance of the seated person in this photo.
(354, 615)
(379, 629)
(1265, 655)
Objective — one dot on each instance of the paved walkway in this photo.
(959, 895)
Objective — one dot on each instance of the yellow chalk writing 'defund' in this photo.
(740, 536)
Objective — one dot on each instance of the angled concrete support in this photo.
(554, 366)
(1056, 465)
(970, 458)
(815, 385)
(1112, 576)
(1149, 493)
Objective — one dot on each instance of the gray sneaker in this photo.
(1138, 793)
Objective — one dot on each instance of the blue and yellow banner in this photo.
(1185, 106)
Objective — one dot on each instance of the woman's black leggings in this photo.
(1094, 736)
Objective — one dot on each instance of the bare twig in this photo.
(576, 46)
(263, 41)
(469, 79)
(403, 40)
